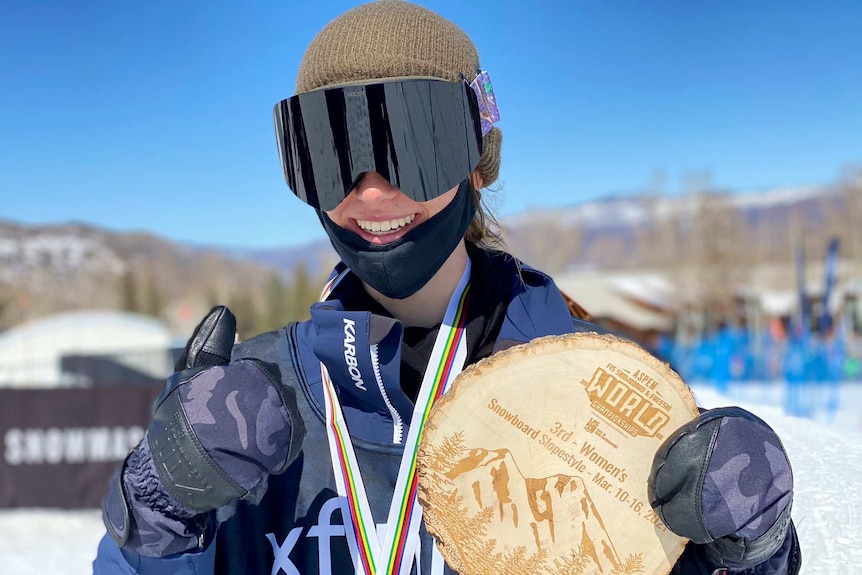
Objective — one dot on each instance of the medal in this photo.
(389, 554)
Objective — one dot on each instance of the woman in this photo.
(288, 456)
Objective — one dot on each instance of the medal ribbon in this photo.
(405, 514)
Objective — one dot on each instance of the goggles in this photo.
(423, 136)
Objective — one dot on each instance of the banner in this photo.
(61, 446)
(829, 284)
(804, 304)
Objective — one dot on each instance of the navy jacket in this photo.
(297, 528)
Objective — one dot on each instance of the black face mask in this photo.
(400, 268)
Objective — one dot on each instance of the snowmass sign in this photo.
(60, 446)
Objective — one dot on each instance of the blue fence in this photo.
(810, 367)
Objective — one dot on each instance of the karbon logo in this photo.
(625, 402)
(350, 354)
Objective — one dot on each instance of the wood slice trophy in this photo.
(537, 459)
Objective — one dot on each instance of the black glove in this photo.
(211, 342)
(724, 481)
(218, 430)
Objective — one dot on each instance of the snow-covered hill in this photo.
(83, 249)
(634, 210)
(45, 269)
(664, 230)
(26, 252)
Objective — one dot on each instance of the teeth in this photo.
(386, 227)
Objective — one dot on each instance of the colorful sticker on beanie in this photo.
(487, 102)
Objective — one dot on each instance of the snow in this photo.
(633, 210)
(59, 252)
(776, 196)
(49, 541)
(827, 470)
(825, 451)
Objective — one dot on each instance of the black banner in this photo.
(60, 446)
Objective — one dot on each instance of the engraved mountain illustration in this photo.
(487, 494)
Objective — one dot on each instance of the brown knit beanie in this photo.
(395, 39)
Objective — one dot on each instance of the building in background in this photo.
(85, 349)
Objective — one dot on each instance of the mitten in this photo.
(218, 430)
(724, 481)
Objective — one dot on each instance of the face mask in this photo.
(400, 268)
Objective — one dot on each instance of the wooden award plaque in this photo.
(537, 459)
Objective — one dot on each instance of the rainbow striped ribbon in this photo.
(392, 555)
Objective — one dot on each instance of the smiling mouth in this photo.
(386, 226)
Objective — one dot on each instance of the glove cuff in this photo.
(138, 512)
(741, 553)
(115, 510)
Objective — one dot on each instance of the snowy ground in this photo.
(826, 453)
(827, 469)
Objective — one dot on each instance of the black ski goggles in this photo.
(423, 136)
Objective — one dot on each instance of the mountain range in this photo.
(48, 268)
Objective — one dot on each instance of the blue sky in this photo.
(156, 115)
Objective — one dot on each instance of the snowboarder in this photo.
(282, 454)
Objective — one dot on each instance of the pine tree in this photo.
(5, 305)
(154, 303)
(305, 292)
(129, 300)
(277, 303)
(241, 303)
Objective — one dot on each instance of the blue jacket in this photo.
(297, 527)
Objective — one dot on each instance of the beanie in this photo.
(395, 39)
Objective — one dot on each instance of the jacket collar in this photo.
(374, 405)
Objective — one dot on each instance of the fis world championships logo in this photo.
(624, 402)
